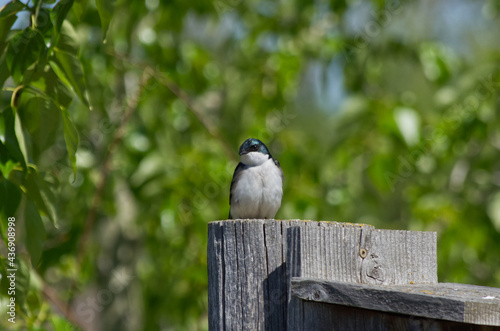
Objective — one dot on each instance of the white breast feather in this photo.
(258, 192)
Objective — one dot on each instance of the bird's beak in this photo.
(243, 153)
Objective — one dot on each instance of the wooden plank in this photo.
(451, 302)
(326, 317)
(330, 250)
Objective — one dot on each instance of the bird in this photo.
(257, 184)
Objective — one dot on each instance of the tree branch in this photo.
(63, 307)
(186, 99)
(107, 166)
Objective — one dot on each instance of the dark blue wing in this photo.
(239, 168)
(281, 170)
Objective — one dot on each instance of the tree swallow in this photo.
(257, 185)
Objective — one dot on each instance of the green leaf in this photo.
(7, 18)
(11, 9)
(7, 167)
(50, 88)
(38, 191)
(35, 232)
(41, 117)
(57, 89)
(21, 136)
(79, 8)
(25, 48)
(44, 25)
(22, 284)
(59, 12)
(11, 142)
(68, 39)
(4, 70)
(10, 195)
(22, 281)
(71, 137)
(105, 9)
(50, 201)
(69, 69)
(60, 324)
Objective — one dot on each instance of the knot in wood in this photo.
(375, 270)
(377, 273)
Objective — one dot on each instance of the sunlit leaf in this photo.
(69, 69)
(11, 141)
(21, 136)
(7, 167)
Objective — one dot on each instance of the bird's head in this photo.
(253, 152)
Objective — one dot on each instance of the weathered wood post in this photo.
(303, 275)
(248, 274)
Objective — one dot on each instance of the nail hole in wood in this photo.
(362, 253)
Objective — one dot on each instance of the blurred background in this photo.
(128, 117)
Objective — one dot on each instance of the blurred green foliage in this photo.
(120, 122)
